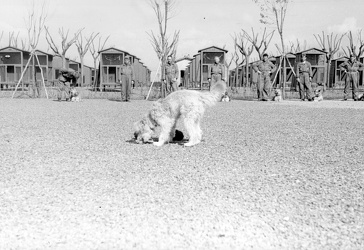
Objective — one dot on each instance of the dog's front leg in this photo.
(165, 134)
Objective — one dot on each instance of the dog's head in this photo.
(318, 92)
(277, 92)
(143, 130)
(74, 92)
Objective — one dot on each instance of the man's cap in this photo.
(63, 70)
(127, 57)
(304, 55)
(265, 54)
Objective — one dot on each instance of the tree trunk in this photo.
(81, 82)
(237, 75)
(284, 64)
(163, 76)
(247, 83)
(95, 75)
(64, 61)
(284, 76)
(328, 73)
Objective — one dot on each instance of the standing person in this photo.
(63, 85)
(351, 68)
(216, 72)
(171, 75)
(304, 78)
(264, 69)
(126, 79)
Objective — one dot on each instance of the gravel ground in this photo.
(270, 175)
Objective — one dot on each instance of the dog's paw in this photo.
(190, 144)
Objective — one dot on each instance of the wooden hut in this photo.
(12, 63)
(182, 64)
(138, 70)
(87, 75)
(196, 71)
(205, 60)
(290, 69)
(190, 74)
(337, 76)
(46, 63)
(57, 65)
(110, 61)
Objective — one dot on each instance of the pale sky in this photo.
(202, 23)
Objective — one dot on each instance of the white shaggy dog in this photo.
(277, 95)
(187, 104)
(75, 96)
(318, 95)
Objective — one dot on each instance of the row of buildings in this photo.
(13, 62)
(194, 70)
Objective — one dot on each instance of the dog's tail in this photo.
(215, 94)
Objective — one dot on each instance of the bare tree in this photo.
(295, 47)
(161, 42)
(94, 50)
(13, 39)
(260, 44)
(246, 49)
(83, 48)
(1, 36)
(228, 63)
(331, 45)
(35, 26)
(65, 43)
(273, 12)
(355, 47)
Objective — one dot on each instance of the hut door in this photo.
(10, 73)
(112, 74)
(2, 74)
(17, 73)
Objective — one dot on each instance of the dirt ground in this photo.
(270, 175)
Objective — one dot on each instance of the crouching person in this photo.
(63, 85)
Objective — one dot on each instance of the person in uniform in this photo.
(351, 68)
(64, 82)
(127, 79)
(171, 75)
(216, 72)
(264, 68)
(304, 78)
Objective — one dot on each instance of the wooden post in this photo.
(151, 85)
(284, 77)
(41, 72)
(21, 76)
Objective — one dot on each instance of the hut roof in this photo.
(74, 62)
(289, 55)
(312, 51)
(184, 58)
(115, 49)
(14, 48)
(212, 47)
(42, 52)
(340, 58)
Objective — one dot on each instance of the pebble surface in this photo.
(269, 175)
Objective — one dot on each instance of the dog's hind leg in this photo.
(166, 127)
(193, 130)
(198, 129)
(173, 131)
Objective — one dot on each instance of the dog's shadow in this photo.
(155, 139)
